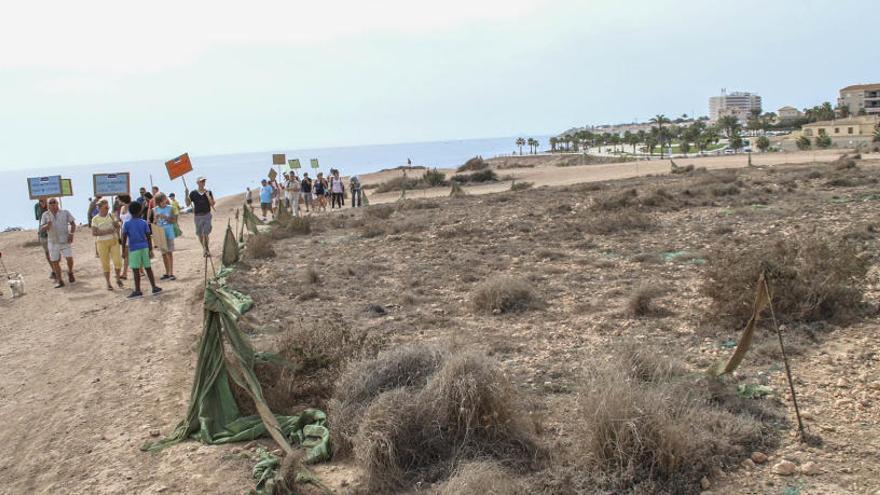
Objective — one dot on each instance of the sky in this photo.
(96, 81)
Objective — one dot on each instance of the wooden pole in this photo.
(797, 411)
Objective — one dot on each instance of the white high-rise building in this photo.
(738, 103)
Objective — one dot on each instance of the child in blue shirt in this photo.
(140, 249)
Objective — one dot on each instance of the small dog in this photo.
(16, 284)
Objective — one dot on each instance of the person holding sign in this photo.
(202, 201)
(163, 214)
(59, 225)
(105, 228)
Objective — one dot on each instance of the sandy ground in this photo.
(86, 377)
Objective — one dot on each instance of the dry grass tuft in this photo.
(467, 410)
(641, 301)
(292, 227)
(312, 276)
(474, 164)
(612, 222)
(504, 294)
(316, 354)
(521, 185)
(812, 278)
(379, 212)
(648, 427)
(364, 381)
(482, 478)
(259, 246)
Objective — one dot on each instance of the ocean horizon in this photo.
(231, 173)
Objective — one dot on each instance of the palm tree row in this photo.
(531, 142)
(698, 135)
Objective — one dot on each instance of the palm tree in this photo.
(730, 124)
(520, 142)
(530, 142)
(707, 137)
(553, 142)
(659, 120)
(642, 135)
(537, 144)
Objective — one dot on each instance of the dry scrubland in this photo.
(553, 339)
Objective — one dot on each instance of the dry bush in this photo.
(486, 175)
(467, 410)
(312, 276)
(504, 294)
(611, 222)
(292, 227)
(841, 182)
(379, 212)
(474, 164)
(364, 381)
(313, 356)
(521, 185)
(844, 163)
(725, 190)
(259, 246)
(482, 478)
(660, 198)
(640, 301)
(616, 201)
(649, 427)
(814, 174)
(372, 229)
(400, 183)
(682, 170)
(812, 278)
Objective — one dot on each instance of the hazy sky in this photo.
(99, 81)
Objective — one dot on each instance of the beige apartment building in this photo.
(737, 103)
(788, 113)
(861, 97)
(852, 131)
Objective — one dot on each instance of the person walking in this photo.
(355, 185)
(43, 236)
(165, 218)
(306, 191)
(320, 188)
(123, 216)
(105, 228)
(266, 192)
(202, 201)
(60, 226)
(337, 190)
(293, 191)
(136, 234)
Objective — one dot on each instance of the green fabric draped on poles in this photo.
(213, 417)
(250, 220)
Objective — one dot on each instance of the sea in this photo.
(231, 174)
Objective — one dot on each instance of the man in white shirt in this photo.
(59, 225)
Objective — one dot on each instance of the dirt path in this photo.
(86, 375)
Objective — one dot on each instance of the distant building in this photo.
(737, 103)
(844, 132)
(861, 97)
(788, 113)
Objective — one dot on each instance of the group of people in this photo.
(123, 231)
(295, 193)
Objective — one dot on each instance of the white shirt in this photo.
(60, 225)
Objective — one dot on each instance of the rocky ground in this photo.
(405, 273)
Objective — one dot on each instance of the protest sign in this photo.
(66, 187)
(177, 167)
(279, 159)
(314, 163)
(111, 184)
(293, 164)
(44, 187)
(272, 174)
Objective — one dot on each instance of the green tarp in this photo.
(213, 417)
